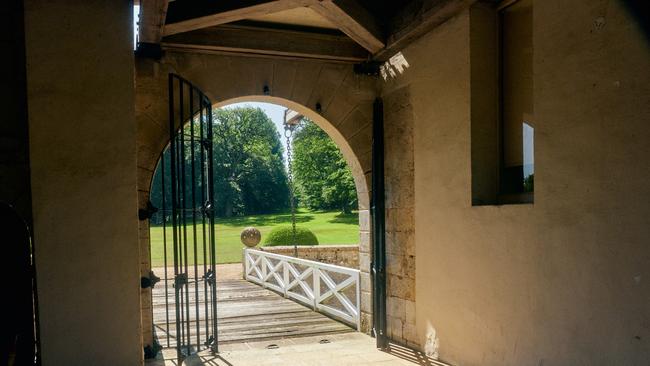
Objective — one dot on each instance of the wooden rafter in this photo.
(220, 12)
(352, 20)
(416, 19)
(412, 21)
(252, 40)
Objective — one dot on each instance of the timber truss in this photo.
(349, 31)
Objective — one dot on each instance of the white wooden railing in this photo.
(326, 288)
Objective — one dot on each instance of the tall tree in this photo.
(323, 178)
(249, 175)
(249, 168)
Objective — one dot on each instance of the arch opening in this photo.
(339, 140)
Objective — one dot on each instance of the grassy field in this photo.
(329, 227)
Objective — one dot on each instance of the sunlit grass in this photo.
(329, 227)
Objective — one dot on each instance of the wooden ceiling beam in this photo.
(183, 16)
(353, 20)
(257, 41)
(416, 19)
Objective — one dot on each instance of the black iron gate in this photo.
(188, 223)
(378, 266)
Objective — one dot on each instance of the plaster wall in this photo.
(80, 87)
(563, 281)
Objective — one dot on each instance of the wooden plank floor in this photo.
(246, 312)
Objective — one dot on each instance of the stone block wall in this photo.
(340, 255)
(365, 256)
(400, 221)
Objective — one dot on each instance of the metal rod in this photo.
(174, 223)
(179, 194)
(184, 205)
(212, 233)
(203, 201)
(196, 256)
(378, 225)
(164, 210)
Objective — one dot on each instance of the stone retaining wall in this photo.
(340, 255)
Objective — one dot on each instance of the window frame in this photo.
(503, 198)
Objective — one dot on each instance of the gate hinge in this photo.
(149, 281)
(180, 279)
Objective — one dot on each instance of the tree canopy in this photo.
(249, 175)
(249, 171)
(322, 177)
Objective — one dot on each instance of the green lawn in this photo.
(329, 227)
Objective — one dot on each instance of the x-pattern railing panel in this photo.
(302, 280)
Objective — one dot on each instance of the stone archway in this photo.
(343, 98)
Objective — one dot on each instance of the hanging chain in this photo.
(288, 133)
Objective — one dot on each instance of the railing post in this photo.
(357, 284)
(316, 277)
(285, 276)
(264, 267)
(245, 264)
(351, 311)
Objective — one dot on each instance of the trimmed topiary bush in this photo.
(283, 235)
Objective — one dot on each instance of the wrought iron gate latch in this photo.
(147, 212)
(149, 281)
(180, 279)
(209, 277)
(207, 208)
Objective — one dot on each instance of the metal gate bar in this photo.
(188, 160)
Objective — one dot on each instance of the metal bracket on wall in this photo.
(149, 50)
(368, 68)
(147, 212)
(149, 281)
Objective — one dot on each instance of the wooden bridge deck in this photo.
(246, 312)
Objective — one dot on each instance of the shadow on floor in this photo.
(193, 360)
(411, 355)
(216, 360)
